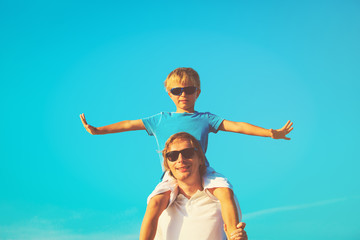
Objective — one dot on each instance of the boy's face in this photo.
(184, 102)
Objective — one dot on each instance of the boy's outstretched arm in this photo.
(249, 129)
(123, 126)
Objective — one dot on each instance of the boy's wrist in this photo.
(271, 133)
(97, 131)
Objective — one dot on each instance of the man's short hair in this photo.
(194, 143)
(182, 76)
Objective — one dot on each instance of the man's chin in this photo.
(182, 175)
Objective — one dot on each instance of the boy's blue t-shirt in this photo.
(198, 124)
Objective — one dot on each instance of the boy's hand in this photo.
(92, 130)
(282, 132)
(239, 233)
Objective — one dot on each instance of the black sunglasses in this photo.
(178, 91)
(186, 153)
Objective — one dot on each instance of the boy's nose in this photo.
(183, 94)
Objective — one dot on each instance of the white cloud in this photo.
(291, 208)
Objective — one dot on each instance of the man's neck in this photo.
(189, 189)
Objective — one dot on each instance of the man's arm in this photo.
(123, 126)
(156, 206)
(249, 129)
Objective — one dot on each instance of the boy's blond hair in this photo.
(182, 76)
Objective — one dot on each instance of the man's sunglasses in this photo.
(188, 90)
(186, 153)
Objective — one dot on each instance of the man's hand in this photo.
(239, 233)
(282, 132)
(92, 130)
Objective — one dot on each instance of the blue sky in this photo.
(262, 62)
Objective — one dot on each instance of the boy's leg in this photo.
(155, 207)
(229, 210)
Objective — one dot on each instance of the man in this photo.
(193, 212)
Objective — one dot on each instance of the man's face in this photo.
(184, 102)
(184, 169)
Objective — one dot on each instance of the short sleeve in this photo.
(151, 123)
(214, 122)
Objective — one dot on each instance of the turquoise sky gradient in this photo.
(262, 62)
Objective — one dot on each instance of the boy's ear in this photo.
(198, 92)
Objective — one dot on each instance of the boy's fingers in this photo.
(288, 124)
(82, 117)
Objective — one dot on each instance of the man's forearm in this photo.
(156, 206)
(148, 230)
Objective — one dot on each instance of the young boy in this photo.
(183, 87)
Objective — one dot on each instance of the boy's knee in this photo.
(222, 193)
(227, 191)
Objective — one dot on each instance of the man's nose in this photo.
(180, 158)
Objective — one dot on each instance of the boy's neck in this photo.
(185, 110)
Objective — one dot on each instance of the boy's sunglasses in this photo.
(178, 91)
(186, 153)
